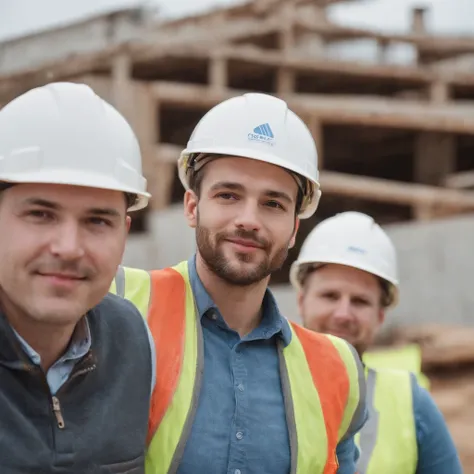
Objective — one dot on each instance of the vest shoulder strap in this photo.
(341, 385)
(134, 285)
(167, 321)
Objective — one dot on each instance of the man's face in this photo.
(59, 249)
(244, 218)
(343, 301)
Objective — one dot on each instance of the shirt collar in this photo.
(79, 345)
(272, 319)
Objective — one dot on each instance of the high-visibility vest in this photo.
(407, 357)
(321, 381)
(387, 442)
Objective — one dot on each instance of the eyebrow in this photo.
(239, 187)
(98, 211)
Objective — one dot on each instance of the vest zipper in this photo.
(56, 405)
(57, 412)
(55, 400)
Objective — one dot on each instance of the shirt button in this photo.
(239, 435)
(237, 471)
(240, 387)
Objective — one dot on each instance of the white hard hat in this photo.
(353, 239)
(261, 127)
(63, 133)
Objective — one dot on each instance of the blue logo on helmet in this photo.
(263, 133)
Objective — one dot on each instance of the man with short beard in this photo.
(240, 389)
(346, 277)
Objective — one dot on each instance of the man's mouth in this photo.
(60, 275)
(248, 243)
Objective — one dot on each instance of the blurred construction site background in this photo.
(386, 87)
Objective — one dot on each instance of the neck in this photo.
(49, 341)
(240, 306)
(50, 346)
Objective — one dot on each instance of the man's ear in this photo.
(381, 316)
(128, 223)
(191, 208)
(295, 231)
(299, 300)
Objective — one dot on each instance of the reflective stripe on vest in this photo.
(388, 440)
(320, 404)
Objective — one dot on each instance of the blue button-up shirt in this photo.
(240, 425)
(436, 451)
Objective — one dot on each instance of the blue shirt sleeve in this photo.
(436, 450)
(347, 455)
(347, 451)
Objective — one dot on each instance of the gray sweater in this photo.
(101, 423)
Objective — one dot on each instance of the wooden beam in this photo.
(371, 189)
(68, 67)
(164, 178)
(434, 157)
(147, 128)
(315, 64)
(316, 128)
(239, 25)
(423, 212)
(425, 42)
(386, 191)
(12, 85)
(367, 111)
(167, 153)
(285, 81)
(305, 64)
(121, 83)
(460, 180)
(418, 24)
(328, 30)
(287, 31)
(439, 92)
(218, 70)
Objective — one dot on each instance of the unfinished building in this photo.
(395, 141)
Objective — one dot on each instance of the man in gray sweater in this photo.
(76, 363)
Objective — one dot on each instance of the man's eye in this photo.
(99, 221)
(226, 196)
(39, 214)
(275, 204)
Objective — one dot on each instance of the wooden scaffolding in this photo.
(396, 141)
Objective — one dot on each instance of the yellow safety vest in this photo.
(388, 441)
(407, 357)
(320, 377)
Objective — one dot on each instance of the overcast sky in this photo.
(18, 17)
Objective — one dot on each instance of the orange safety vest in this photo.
(322, 378)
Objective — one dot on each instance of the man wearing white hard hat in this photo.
(241, 390)
(346, 278)
(76, 364)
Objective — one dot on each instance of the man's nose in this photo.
(66, 242)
